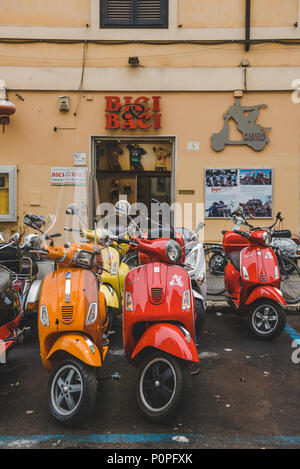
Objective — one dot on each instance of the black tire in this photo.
(200, 317)
(72, 374)
(216, 262)
(161, 381)
(267, 319)
(290, 279)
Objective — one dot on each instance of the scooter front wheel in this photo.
(72, 391)
(267, 319)
(161, 381)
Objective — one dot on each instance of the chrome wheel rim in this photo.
(265, 319)
(66, 390)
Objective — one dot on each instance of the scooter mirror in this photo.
(122, 207)
(199, 226)
(72, 209)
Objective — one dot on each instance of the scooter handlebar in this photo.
(242, 233)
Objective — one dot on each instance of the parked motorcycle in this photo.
(196, 268)
(286, 250)
(112, 284)
(73, 325)
(159, 324)
(10, 308)
(28, 270)
(252, 281)
(194, 259)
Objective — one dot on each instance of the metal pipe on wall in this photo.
(247, 26)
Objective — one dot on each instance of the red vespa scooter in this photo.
(159, 324)
(252, 281)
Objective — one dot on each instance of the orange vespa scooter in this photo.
(73, 328)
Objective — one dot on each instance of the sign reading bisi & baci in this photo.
(130, 113)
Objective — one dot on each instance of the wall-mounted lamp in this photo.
(6, 107)
(134, 61)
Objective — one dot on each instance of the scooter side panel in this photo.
(169, 339)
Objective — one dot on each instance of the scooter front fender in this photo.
(267, 291)
(79, 346)
(170, 339)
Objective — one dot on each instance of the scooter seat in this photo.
(5, 279)
(282, 234)
(234, 258)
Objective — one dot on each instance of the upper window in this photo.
(134, 13)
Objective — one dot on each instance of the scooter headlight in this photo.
(267, 237)
(173, 252)
(84, 258)
(92, 314)
(44, 318)
(191, 260)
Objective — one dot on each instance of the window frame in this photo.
(12, 193)
(133, 24)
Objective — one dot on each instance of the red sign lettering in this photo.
(130, 113)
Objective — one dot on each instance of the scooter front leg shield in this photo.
(170, 339)
(79, 346)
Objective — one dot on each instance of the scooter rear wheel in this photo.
(72, 390)
(161, 381)
(267, 319)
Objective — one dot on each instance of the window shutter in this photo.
(149, 12)
(117, 12)
(134, 13)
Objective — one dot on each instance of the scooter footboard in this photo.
(170, 339)
(78, 346)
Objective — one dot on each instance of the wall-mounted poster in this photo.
(226, 189)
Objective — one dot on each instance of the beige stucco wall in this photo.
(45, 12)
(231, 13)
(30, 142)
(171, 55)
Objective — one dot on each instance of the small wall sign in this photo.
(68, 176)
(130, 113)
(193, 146)
(79, 159)
(253, 135)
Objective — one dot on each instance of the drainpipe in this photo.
(247, 27)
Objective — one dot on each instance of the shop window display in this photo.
(137, 170)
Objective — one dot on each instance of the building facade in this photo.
(193, 102)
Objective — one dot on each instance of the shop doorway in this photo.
(139, 169)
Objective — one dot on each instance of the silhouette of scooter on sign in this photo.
(254, 135)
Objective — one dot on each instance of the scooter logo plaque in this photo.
(253, 135)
